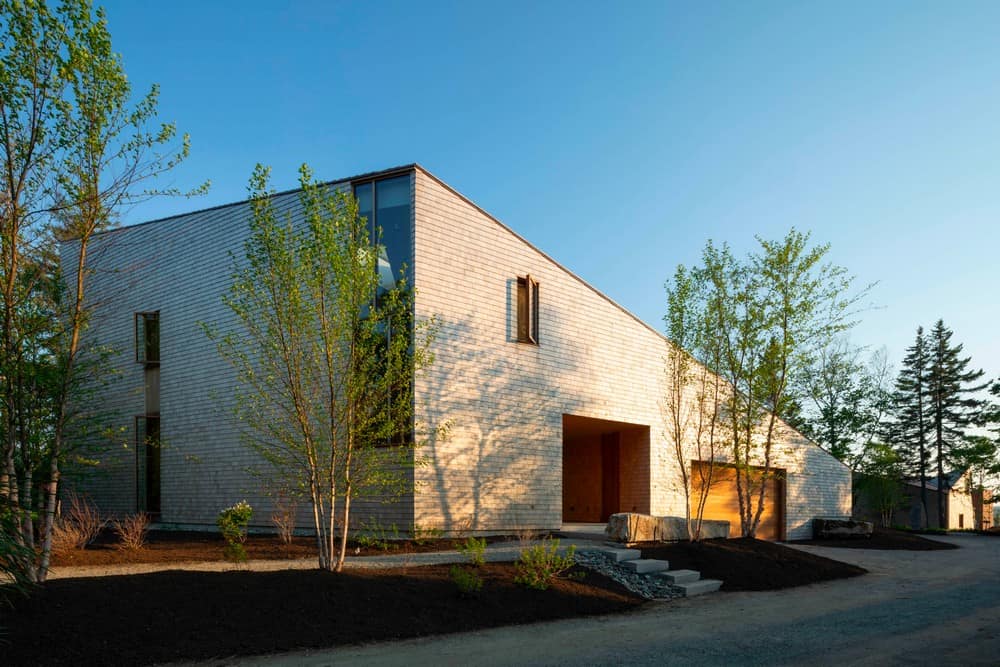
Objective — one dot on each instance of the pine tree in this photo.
(951, 401)
(910, 430)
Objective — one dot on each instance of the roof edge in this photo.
(542, 253)
(381, 173)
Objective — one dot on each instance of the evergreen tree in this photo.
(951, 400)
(910, 430)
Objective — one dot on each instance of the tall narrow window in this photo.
(147, 463)
(527, 310)
(387, 205)
(147, 338)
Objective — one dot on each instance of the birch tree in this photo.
(766, 316)
(76, 148)
(325, 357)
(693, 397)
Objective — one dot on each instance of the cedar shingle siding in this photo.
(501, 468)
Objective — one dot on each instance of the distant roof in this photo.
(950, 480)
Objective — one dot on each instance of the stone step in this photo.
(646, 565)
(680, 576)
(622, 555)
(700, 587)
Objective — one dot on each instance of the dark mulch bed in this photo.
(188, 546)
(746, 564)
(885, 538)
(179, 615)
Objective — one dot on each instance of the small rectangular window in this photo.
(961, 521)
(147, 338)
(527, 310)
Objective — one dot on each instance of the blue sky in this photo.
(619, 137)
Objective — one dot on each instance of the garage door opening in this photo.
(605, 468)
(724, 504)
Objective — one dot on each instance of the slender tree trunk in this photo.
(322, 544)
(942, 519)
(347, 492)
(923, 450)
(51, 493)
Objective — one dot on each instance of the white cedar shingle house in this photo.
(552, 390)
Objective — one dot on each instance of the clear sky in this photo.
(618, 137)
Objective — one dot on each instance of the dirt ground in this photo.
(884, 539)
(913, 608)
(184, 615)
(746, 564)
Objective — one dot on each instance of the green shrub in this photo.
(376, 536)
(539, 565)
(473, 549)
(233, 522)
(468, 581)
(16, 560)
(424, 535)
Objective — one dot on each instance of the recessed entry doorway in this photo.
(605, 468)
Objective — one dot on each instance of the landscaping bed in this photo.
(746, 564)
(164, 546)
(884, 538)
(182, 615)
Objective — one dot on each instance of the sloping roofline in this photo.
(413, 166)
(541, 252)
(399, 170)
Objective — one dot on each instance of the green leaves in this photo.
(325, 359)
(759, 322)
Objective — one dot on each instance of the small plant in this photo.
(233, 522)
(422, 536)
(475, 550)
(79, 525)
(468, 581)
(539, 565)
(376, 536)
(283, 518)
(131, 529)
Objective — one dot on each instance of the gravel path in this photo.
(915, 608)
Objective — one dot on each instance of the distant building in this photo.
(964, 507)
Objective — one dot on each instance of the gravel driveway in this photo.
(927, 607)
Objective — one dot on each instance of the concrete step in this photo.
(646, 565)
(622, 555)
(700, 587)
(680, 576)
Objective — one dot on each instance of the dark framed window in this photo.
(387, 206)
(527, 310)
(147, 463)
(147, 338)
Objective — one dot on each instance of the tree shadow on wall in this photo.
(497, 465)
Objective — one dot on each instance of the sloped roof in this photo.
(950, 480)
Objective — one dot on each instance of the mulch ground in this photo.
(187, 547)
(746, 564)
(885, 538)
(181, 615)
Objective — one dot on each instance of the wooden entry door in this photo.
(610, 462)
